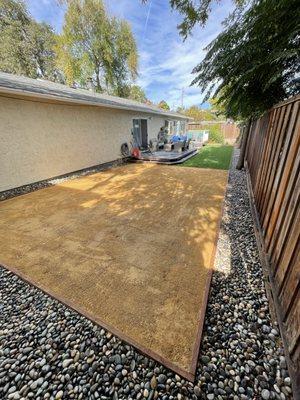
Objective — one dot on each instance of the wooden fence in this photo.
(273, 171)
(230, 131)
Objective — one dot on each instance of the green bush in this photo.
(216, 137)
(215, 134)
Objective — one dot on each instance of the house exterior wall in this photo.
(40, 140)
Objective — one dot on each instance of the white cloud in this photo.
(166, 61)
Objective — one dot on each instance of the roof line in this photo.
(42, 89)
(62, 99)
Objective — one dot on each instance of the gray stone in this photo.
(67, 362)
(265, 394)
(197, 391)
(161, 378)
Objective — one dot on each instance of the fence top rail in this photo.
(287, 101)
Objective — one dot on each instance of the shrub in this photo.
(215, 134)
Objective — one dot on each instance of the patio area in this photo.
(132, 248)
(60, 354)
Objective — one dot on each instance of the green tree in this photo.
(199, 114)
(253, 63)
(14, 53)
(163, 105)
(42, 41)
(216, 108)
(123, 69)
(195, 12)
(93, 45)
(137, 94)
(27, 47)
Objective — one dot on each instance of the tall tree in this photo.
(199, 114)
(254, 62)
(27, 47)
(216, 108)
(93, 45)
(163, 105)
(123, 69)
(137, 94)
(42, 41)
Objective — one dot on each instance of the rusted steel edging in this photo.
(75, 307)
(188, 373)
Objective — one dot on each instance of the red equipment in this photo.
(135, 152)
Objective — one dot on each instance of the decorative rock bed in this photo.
(50, 352)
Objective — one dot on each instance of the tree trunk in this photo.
(98, 84)
(246, 130)
(239, 138)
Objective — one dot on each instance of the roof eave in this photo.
(63, 99)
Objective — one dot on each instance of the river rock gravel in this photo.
(48, 351)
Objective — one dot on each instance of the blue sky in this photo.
(166, 61)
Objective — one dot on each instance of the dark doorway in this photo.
(140, 133)
(144, 133)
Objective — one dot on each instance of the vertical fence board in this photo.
(274, 159)
(289, 154)
(281, 178)
(287, 212)
(269, 234)
(283, 264)
(265, 150)
(291, 284)
(292, 322)
(273, 168)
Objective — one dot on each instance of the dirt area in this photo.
(132, 248)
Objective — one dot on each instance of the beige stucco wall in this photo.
(41, 140)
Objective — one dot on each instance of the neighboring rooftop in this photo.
(21, 85)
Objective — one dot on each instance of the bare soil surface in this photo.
(132, 248)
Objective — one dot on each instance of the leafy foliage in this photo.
(198, 114)
(27, 47)
(137, 94)
(93, 45)
(253, 63)
(195, 12)
(217, 108)
(215, 133)
(123, 69)
(164, 105)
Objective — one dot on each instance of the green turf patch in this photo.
(211, 156)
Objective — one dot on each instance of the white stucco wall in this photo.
(41, 140)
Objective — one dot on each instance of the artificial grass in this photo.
(211, 156)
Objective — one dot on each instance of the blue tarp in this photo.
(177, 138)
